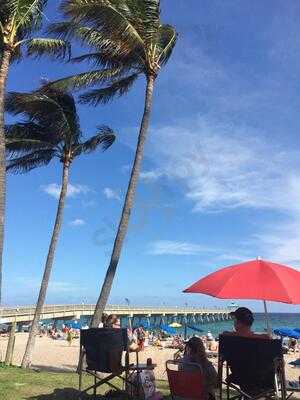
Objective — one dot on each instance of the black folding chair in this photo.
(101, 351)
(254, 368)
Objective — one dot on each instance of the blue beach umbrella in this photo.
(168, 329)
(74, 325)
(295, 363)
(287, 332)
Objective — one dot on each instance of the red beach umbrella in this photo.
(256, 279)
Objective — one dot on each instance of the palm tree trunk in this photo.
(5, 61)
(48, 267)
(129, 200)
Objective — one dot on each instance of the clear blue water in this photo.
(277, 320)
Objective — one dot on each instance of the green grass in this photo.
(18, 384)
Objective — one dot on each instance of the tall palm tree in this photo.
(19, 19)
(127, 39)
(50, 130)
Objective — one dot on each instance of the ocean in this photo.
(277, 320)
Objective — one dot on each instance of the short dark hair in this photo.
(243, 315)
(110, 321)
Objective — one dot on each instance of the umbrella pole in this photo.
(268, 326)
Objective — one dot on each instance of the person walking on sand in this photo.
(70, 336)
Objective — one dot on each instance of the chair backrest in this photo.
(103, 348)
(251, 360)
(185, 382)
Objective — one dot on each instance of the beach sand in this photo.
(57, 355)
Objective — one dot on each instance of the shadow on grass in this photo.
(63, 369)
(73, 394)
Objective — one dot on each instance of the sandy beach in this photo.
(57, 355)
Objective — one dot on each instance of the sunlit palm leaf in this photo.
(85, 79)
(166, 41)
(52, 47)
(111, 20)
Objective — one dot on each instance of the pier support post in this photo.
(130, 322)
(11, 344)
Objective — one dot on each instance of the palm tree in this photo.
(19, 19)
(50, 130)
(127, 39)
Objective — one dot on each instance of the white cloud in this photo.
(225, 167)
(77, 222)
(54, 286)
(53, 189)
(150, 176)
(168, 247)
(280, 241)
(111, 194)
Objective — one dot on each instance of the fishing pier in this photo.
(155, 315)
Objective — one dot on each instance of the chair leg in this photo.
(227, 386)
(95, 388)
(220, 377)
(80, 380)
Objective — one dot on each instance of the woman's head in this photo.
(112, 321)
(195, 348)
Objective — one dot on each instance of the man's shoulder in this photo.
(228, 333)
(261, 336)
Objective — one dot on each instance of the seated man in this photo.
(243, 320)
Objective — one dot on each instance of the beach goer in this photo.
(292, 345)
(213, 346)
(112, 321)
(140, 338)
(243, 320)
(103, 319)
(195, 353)
(70, 336)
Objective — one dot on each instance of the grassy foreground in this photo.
(18, 384)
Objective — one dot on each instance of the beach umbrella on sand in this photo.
(252, 280)
(168, 329)
(175, 325)
(287, 332)
(75, 324)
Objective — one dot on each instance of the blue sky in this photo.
(220, 181)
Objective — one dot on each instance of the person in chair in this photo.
(243, 320)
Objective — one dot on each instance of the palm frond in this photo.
(104, 95)
(166, 40)
(32, 104)
(149, 18)
(27, 15)
(52, 47)
(72, 30)
(67, 108)
(30, 161)
(40, 108)
(63, 30)
(85, 79)
(104, 139)
(110, 17)
(22, 137)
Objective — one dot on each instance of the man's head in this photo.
(243, 317)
